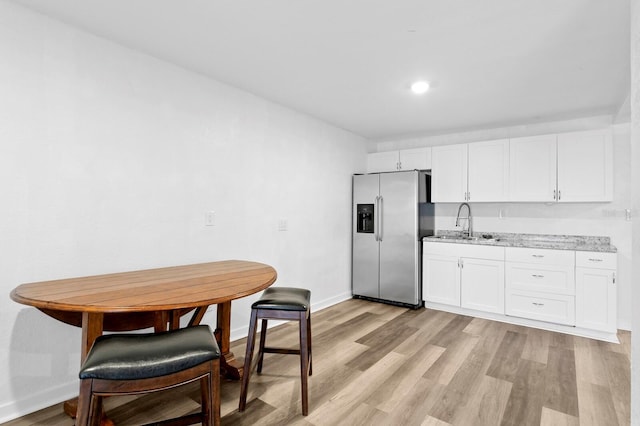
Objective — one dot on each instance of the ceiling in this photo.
(491, 63)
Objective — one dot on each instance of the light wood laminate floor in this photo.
(376, 364)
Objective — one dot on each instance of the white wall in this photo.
(109, 160)
(635, 174)
(599, 219)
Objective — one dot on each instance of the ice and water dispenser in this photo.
(364, 214)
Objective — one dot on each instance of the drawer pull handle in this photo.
(538, 255)
(594, 260)
(537, 276)
(537, 304)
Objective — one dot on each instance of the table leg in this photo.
(232, 368)
(92, 327)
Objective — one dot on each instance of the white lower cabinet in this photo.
(441, 279)
(482, 285)
(564, 290)
(470, 276)
(596, 293)
(540, 284)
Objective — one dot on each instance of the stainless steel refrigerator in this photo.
(391, 213)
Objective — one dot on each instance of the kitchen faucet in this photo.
(469, 232)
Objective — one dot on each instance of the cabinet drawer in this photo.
(592, 259)
(540, 256)
(554, 308)
(556, 279)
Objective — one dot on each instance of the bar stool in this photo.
(280, 303)
(125, 364)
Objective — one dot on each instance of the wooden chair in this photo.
(125, 364)
(280, 303)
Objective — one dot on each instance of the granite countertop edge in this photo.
(541, 241)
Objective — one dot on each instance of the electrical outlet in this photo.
(210, 218)
(283, 225)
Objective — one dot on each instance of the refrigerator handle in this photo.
(380, 222)
(376, 214)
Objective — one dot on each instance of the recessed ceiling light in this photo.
(420, 87)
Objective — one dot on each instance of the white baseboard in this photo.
(38, 400)
(576, 331)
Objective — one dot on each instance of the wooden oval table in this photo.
(155, 298)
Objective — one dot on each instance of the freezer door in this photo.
(365, 254)
(399, 245)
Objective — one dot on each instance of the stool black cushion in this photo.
(284, 299)
(142, 356)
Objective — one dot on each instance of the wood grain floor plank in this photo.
(524, 407)
(447, 365)
(465, 382)
(536, 348)
(400, 384)
(590, 365)
(431, 326)
(383, 340)
(551, 417)
(561, 393)
(432, 421)
(625, 343)
(414, 410)
(365, 415)
(381, 335)
(619, 374)
(351, 330)
(486, 405)
(449, 333)
(357, 391)
(506, 361)
(596, 405)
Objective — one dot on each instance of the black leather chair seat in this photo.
(284, 299)
(142, 356)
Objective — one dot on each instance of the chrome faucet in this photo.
(469, 232)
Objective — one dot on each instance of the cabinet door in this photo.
(482, 285)
(449, 173)
(532, 168)
(415, 159)
(489, 171)
(441, 280)
(585, 171)
(596, 299)
(382, 162)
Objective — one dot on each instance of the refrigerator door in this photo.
(399, 245)
(365, 245)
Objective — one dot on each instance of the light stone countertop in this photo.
(556, 242)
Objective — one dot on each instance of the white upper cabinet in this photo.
(471, 172)
(567, 167)
(405, 159)
(449, 174)
(382, 162)
(532, 168)
(415, 159)
(488, 175)
(585, 166)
